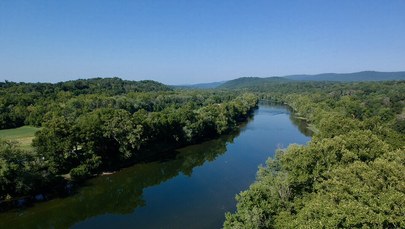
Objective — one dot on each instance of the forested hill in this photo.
(257, 82)
(351, 77)
(110, 86)
(248, 82)
(202, 85)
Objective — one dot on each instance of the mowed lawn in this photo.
(23, 135)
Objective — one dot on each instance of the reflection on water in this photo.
(191, 187)
(302, 125)
(119, 193)
(297, 121)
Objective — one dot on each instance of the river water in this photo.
(191, 187)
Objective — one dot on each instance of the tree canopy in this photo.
(351, 174)
(96, 125)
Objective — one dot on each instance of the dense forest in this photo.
(28, 103)
(96, 125)
(351, 174)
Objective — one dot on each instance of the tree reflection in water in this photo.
(119, 193)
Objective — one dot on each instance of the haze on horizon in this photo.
(184, 42)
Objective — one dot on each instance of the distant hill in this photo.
(246, 82)
(202, 85)
(253, 81)
(351, 77)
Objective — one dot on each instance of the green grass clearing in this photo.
(23, 135)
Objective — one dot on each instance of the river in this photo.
(191, 187)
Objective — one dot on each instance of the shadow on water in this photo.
(302, 125)
(119, 193)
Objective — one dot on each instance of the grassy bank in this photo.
(22, 135)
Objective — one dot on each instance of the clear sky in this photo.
(181, 42)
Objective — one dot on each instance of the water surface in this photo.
(191, 187)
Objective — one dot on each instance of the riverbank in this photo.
(66, 185)
(190, 183)
(350, 175)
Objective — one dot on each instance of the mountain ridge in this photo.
(350, 77)
(362, 76)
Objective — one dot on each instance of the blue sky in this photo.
(181, 42)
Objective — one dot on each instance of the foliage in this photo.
(21, 172)
(351, 174)
(90, 126)
(27, 103)
(105, 138)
